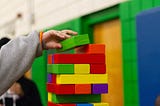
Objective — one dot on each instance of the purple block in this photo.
(49, 78)
(99, 88)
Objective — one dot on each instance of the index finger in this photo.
(70, 32)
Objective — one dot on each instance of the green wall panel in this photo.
(156, 3)
(134, 50)
(39, 76)
(135, 7)
(127, 69)
(133, 29)
(131, 97)
(126, 46)
(125, 11)
(126, 30)
(147, 4)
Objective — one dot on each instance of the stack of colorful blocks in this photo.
(77, 79)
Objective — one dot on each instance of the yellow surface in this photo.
(100, 104)
(81, 68)
(49, 97)
(82, 79)
(109, 33)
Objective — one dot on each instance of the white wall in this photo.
(47, 12)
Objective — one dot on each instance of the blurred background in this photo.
(128, 28)
(21, 17)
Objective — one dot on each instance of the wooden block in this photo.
(97, 68)
(78, 58)
(61, 89)
(91, 49)
(76, 98)
(54, 80)
(54, 104)
(84, 104)
(49, 97)
(100, 104)
(81, 68)
(81, 79)
(82, 88)
(60, 68)
(50, 59)
(99, 88)
(74, 41)
(49, 78)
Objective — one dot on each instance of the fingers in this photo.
(51, 39)
(53, 45)
(57, 34)
(70, 32)
(64, 33)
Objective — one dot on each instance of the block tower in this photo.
(77, 79)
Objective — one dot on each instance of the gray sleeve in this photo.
(16, 57)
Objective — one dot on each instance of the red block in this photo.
(53, 104)
(97, 68)
(91, 49)
(61, 88)
(82, 88)
(50, 59)
(78, 58)
(54, 78)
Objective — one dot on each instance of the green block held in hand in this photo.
(73, 42)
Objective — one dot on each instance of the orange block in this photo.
(50, 59)
(91, 49)
(82, 88)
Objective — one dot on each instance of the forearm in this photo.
(16, 57)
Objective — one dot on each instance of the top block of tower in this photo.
(91, 49)
(73, 42)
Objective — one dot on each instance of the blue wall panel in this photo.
(148, 39)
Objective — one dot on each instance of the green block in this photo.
(73, 42)
(60, 68)
(92, 98)
(147, 4)
(135, 7)
(156, 3)
(125, 10)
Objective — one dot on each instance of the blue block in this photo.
(84, 104)
(148, 39)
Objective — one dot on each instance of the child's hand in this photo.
(52, 38)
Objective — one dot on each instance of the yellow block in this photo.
(81, 68)
(49, 97)
(82, 79)
(100, 104)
